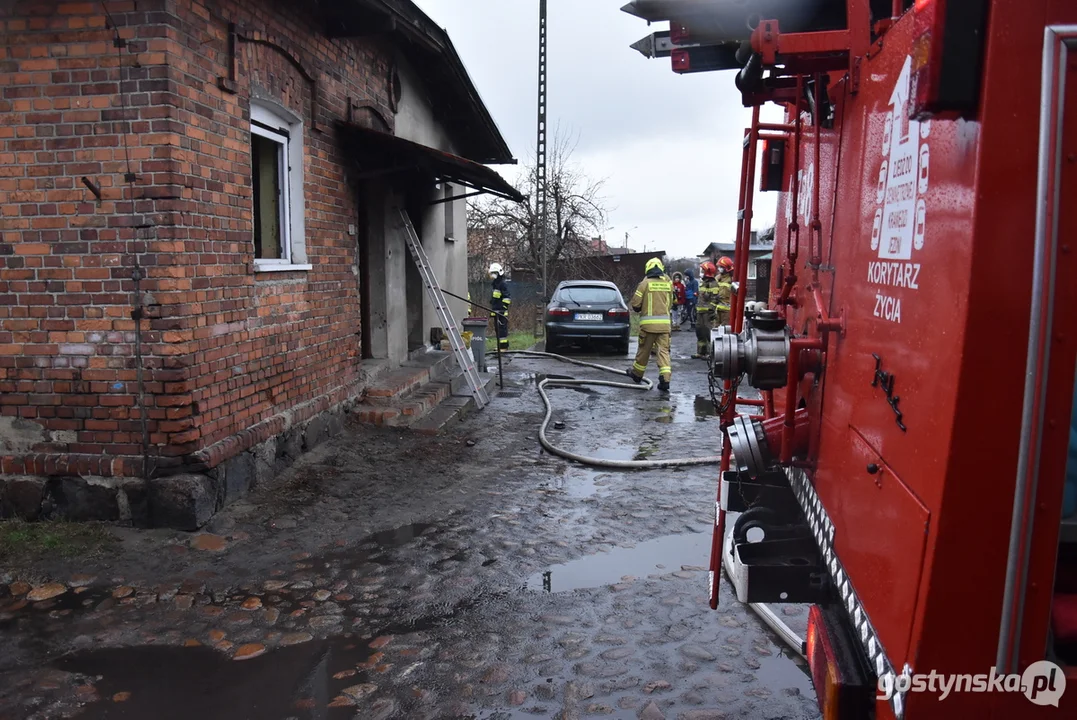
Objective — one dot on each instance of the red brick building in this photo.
(201, 260)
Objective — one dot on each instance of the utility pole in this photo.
(540, 151)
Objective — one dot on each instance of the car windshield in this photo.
(590, 295)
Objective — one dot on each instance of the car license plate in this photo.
(589, 317)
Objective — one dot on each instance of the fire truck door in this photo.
(1030, 602)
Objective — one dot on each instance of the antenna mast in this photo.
(540, 151)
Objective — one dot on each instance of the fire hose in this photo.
(572, 382)
(768, 616)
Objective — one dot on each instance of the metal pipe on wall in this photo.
(740, 252)
(815, 238)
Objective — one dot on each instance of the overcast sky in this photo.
(667, 145)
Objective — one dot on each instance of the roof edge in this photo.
(418, 26)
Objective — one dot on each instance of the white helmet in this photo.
(495, 269)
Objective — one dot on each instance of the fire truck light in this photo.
(921, 52)
(826, 676)
(844, 687)
(773, 171)
(682, 60)
(947, 50)
(678, 33)
(926, 56)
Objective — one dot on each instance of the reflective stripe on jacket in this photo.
(500, 298)
(653, 299)
(708, 295)
(725, 293)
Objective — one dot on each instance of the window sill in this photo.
(280, 267)
(450, 239)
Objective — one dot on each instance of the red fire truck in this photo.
(909, 461)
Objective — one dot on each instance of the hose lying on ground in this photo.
(765, 613)
(570, 382)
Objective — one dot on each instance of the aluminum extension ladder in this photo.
(437, 297)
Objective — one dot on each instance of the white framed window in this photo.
(277, 182)
(751, 269)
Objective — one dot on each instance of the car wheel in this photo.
(551, 344)
(622, 347)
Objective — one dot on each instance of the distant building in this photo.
(758, 248)
(600, 247)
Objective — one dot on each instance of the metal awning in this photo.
(379, 154)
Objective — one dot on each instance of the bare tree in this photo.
(503, 231)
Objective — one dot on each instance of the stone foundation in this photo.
(181, 502)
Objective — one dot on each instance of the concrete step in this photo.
(454, 408)
(436, 361)
(430, 385)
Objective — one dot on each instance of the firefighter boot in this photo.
(665, 364)
(703, 339)
(634, 377)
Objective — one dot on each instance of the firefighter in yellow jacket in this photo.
(715, 300)
(705, 310)
(725, 292)
(654, 301)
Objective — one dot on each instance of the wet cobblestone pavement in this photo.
(388, 575)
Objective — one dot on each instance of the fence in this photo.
(527, 310)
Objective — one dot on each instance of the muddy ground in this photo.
(390, 575)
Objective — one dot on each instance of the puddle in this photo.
(608, 568)
(531, 378)
(369, 558)
(397, 537)
(646, 449)
(613, 452)
(704, 408)
(183, 683)
(686, 408)
(297, 681)
(578, 484)
(289, 681)
(784, 669)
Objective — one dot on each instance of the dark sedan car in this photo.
(585, 312)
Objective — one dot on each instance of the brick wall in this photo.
(231, 356)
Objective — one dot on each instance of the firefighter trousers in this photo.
(647, 341)
(703, 334)
(501, 327)
(708, 321)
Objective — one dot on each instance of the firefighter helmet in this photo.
(495, 269)
(708, 270)
(725, 264)
(654, 263)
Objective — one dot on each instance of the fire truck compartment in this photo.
(876, 513)
(784, 565)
